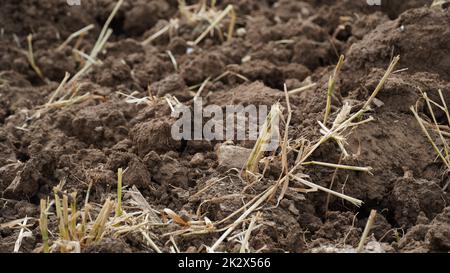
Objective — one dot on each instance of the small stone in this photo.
(230, 156)
(422, 219)
(197, 160)
(374, 247)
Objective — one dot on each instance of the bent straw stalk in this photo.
(444, 142)
(74, 35)
(31, 60)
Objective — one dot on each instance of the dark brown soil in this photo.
(87, 142)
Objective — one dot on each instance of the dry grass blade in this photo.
(172, 24)
(99, 224)
(74, 35)
(268, 131)
(301, 89)
(92, 56)
(307, 152)
(175, 248)
(137, 196)
(22, 234)
(175, 217)
(65, 216)
(266, 194)
(245, 244)
(63, 233)
(242, 233)
(228, 72)
(284, 148)
(352, 200)
(99, 44)
(73, 100)
(437, 128)
(331, 86)
(447, 114)
(379, 87)
(31, 59)
(340, 166)
(106, 25)
(119, 210)
(202, 87)
(43, 225)
(173, 60)
(14, 223)
(348, 122)
(62, 101)
(438, 3)
(228, 10)
(150, 242)
(430, 139)
(86, 57)
(231, 25)
(58, 90)
(73, 216)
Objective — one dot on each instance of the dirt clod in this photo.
(230, 156)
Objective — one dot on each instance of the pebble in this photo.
(230, 156)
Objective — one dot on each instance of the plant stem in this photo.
(366, 231)
(43, 225)
(331, 86)
(119, 211)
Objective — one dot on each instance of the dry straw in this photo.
(442, 131)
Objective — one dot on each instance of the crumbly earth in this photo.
(276, 42)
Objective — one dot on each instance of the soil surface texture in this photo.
(119, 115)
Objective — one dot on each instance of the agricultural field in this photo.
(350, 100)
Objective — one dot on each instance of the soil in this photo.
(292, 42)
